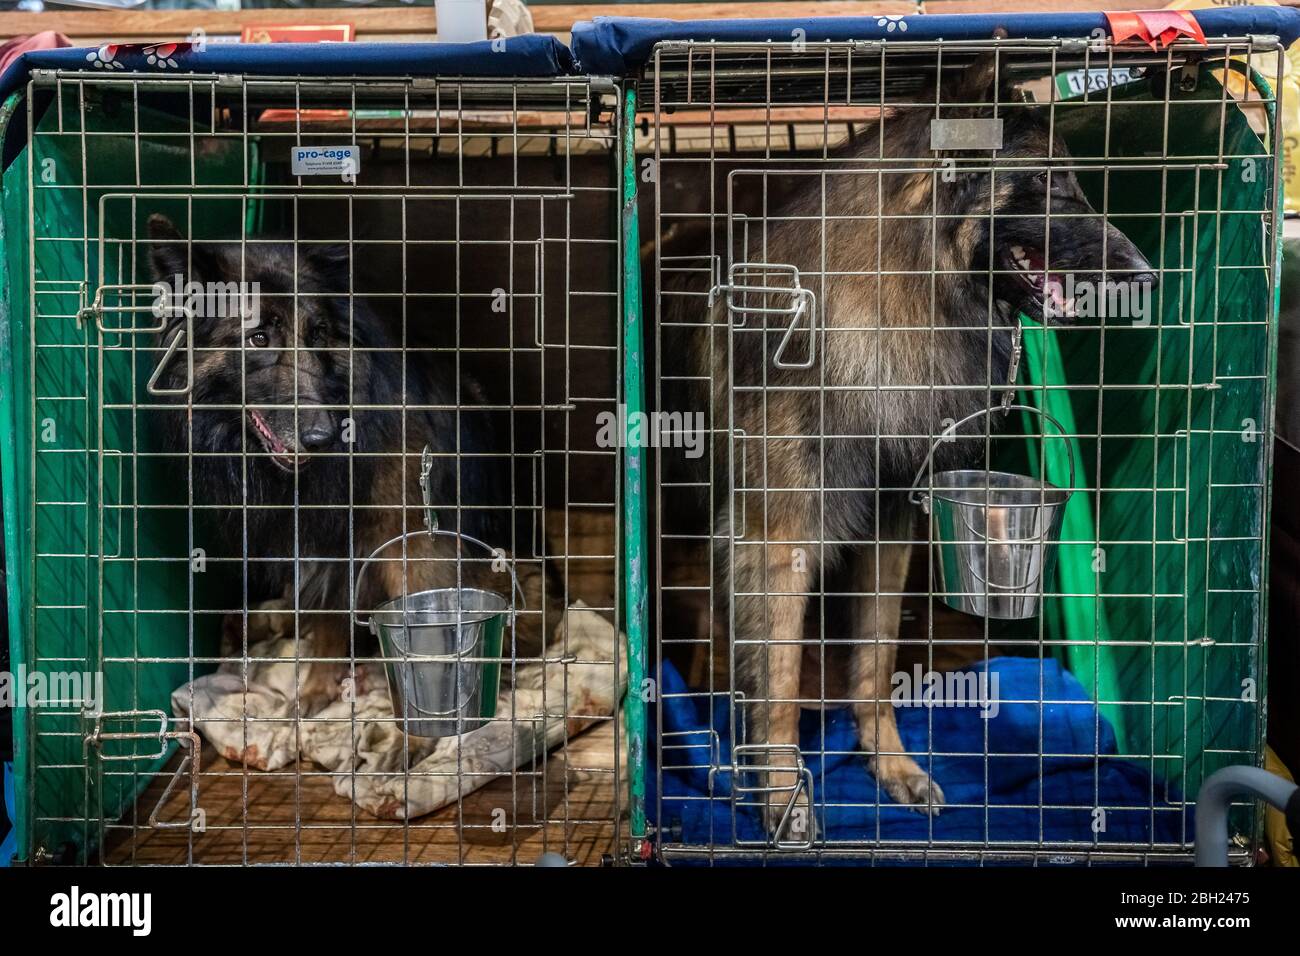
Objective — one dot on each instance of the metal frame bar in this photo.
(511, 119)
(774, 111)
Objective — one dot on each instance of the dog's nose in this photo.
(315, 437)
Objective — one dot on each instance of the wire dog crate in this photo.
(847, 234)
(427, 261)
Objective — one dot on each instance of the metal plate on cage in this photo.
(966, 133)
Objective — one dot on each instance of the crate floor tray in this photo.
(565, 804)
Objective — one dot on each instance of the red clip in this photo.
(1155, 28)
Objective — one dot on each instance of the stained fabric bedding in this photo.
(248, 713)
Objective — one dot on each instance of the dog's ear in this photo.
(167, 253)
(985, 79)
(328, 266)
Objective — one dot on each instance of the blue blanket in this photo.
(998, 787)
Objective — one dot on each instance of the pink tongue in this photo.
(1056, 289)
(259, 422)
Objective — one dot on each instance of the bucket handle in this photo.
(430, 532)
(983, 538)
(1029, 587)
(923, 499)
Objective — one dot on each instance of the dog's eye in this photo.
(258, 339)
(1041, 178)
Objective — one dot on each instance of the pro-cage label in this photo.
(325, 161)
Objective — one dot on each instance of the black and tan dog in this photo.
(304, 426)
(919, 278)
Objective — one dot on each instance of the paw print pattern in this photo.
(160, 55)
(892, 23)
(105, 58)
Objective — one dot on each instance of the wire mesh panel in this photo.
(316, 375)
(962, 357)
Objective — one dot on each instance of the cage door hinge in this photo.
(1264, 42)
(189, 766)
(772, 289)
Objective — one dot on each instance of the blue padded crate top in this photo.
(621, 45)
(534, 55)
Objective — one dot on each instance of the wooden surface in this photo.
(294, 817)
(407, 23)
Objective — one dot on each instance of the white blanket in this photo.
(354, 735)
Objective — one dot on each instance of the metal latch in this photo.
(163, 311)
(189, 765)
(755, 760)
(750, 290)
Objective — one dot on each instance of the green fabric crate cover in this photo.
(1167, 636)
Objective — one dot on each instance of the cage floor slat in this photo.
(294, 816)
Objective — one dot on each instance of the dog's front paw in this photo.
(320, 683)
(797, 826)
(904, 780)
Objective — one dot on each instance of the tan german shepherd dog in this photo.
(918, 282)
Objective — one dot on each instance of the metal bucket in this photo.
(441, 647)
(995, 533)
(442, 655)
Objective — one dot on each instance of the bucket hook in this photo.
(916, 497)
(426, 490)
(432, 531)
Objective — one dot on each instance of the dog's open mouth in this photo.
(285, 458)
(1050, 287)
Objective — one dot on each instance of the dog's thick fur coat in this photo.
(918, 280)
(306, 422)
